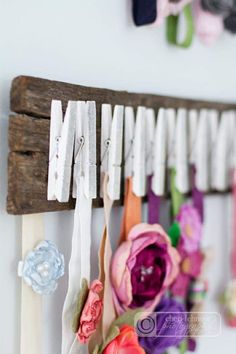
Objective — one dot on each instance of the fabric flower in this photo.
(42, 268)
(190, 268)
(190, 226)
(171, 326)
(208, 26)
(91, 313)
(143, 267)
(125, 342)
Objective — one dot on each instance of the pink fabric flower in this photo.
(191, 228)
(190, 268)
(125, 342)
(91, 313)
(143, 267)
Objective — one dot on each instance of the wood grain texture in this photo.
(33, 96)
(29, 135)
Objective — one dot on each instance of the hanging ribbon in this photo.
(31, 303)
(79, 267)
(172, 28)
(154, 202)
(177, 198)
(233, 254)
(132, 210)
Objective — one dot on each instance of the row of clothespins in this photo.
(153, 143)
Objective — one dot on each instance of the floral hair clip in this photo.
(42, 267)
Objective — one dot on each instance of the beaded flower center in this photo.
(146, 271)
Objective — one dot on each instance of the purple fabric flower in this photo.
(171, 327)
(191, 228)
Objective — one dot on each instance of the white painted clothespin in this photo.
(61, 150)
(213, 118)
(171, 126)
(192, 134)
(85, 149)
(202, 161)
(160, 154)
(135, 149)
(225, 141)
(111, 148)
(181, 162)
(150, 133)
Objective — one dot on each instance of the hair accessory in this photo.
(84, 189)
(42, 267)
(173, 26)
(207, 25)
(144, 12)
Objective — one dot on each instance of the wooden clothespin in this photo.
(192, 134)
(61, 150)
(213, 118)
(202, 152)
(224, 147)
(135, 149)
(171, 126)
(181, 162)
(160, 154)
(150, 133)
(111, 149)
(85, 149)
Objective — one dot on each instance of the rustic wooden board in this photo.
(29, 134)
(33, 96)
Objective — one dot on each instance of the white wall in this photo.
(95, 43)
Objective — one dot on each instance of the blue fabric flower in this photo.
(42, 268)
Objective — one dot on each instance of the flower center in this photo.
(43, 269)
(188, 230)
(146, 271)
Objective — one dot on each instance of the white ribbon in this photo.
(31, 303)
(79, 268)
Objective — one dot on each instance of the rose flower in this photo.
(143, 267)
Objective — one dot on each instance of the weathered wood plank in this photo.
(33, 96)
(29, 135)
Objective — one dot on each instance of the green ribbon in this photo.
(177, 198)
(183, 347)
(172, 28)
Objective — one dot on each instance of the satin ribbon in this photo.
(233, 253)
(172, 28)
(132, 214)
(154, 203)
(31, 303)
(79, 268)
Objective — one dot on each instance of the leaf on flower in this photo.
(82, 297)
(113, 333)
(174, 232)
(96, 350)
(128, 318)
